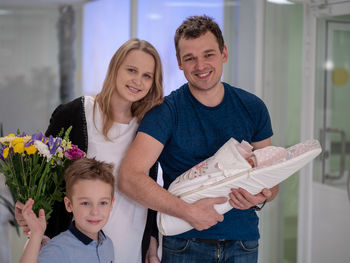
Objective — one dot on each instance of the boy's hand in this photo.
(37, 225)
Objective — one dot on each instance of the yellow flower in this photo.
(69, 145)
(11, 135)
(30, 149)
(19, 148)
(5, 152)
(16, 141)
(63, 143)
(26, 138)
(60, 155)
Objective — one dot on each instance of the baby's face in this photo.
(91, 204)
(251, 162)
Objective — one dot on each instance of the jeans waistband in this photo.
(210, 241)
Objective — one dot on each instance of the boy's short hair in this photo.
(196, 26)
(88, 169)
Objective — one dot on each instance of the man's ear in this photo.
(179, 64)
(68, 204)
(224, 54)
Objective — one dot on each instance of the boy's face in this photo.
(91, 203)
(202, 61)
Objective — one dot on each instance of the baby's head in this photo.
(252, 161)
(89, 194)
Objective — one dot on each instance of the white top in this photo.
(127, 220)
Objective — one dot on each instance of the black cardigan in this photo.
(73, 114)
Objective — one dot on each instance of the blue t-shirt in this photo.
(73, 246)
(192, 132)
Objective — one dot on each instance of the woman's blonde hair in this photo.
(139, 108)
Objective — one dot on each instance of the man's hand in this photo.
(203, 214)
(242, 199)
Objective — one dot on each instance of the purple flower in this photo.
(74, 153)
(23, 134)
(35, 137)
(38, 136)
(53, 144)
(1, 151)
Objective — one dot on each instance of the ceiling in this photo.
(22, 3)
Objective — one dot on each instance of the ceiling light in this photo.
(281, 2)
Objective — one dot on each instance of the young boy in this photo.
(90, 197)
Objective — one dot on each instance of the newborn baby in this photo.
(261, 157)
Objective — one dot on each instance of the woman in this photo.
(104, 126)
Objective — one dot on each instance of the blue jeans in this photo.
(178, 250)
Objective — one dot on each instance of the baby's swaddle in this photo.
(226, 169)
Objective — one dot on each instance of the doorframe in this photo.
(307, 131)
(312, 10)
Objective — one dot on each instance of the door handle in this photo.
(340, 174)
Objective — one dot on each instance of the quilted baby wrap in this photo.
(226, 169)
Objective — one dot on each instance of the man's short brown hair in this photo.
(196, 26)
(88, 169)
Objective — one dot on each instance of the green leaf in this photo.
(66, 135)
(60, 134)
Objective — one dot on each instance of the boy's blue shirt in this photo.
(74, 246)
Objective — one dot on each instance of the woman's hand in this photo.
(20, 219)
(152, 255)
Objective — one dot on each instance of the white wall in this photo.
(29, 80)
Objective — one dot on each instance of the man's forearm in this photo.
(141, 188)
(135, 183)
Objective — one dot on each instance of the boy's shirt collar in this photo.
(82, 237)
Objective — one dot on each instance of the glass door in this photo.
(330, 198)
(333, 94)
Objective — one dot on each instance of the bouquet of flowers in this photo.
(33, 166)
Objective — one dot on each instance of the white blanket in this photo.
(227, 169)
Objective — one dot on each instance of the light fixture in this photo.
(5, 12)
(281, 2)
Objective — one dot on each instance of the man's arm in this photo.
(242, 199)
(134, 182)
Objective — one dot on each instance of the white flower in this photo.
(7, 139)
(43, 149)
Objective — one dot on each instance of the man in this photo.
(190, 126)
